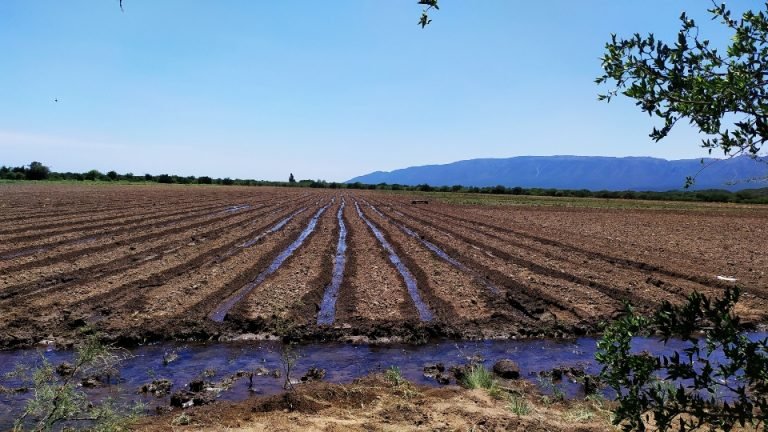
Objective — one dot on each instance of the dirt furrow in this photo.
(373, 290)
(465, 306)
(125, 256)
(102, 216)
(620, 249)
(114, 301)
(65, 256)
(76, 234)
(118, 219)
(584, 268)
(537, 292)
(291, 294)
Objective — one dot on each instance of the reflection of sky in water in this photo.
(342, 362)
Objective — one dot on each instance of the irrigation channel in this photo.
(214, 362)
(425, 314)
(221, 310)
(327, 313)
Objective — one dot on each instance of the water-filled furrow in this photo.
(410, 281)
(437, 251)
(327, 314)
(236, 208)
(221, 311)
(273, 229)
(277, 227)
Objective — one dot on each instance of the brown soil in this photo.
(144, 263)
(374, 404)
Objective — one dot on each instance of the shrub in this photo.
(691, 393)
(58, 399)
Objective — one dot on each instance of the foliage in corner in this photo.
(718, 381)
(58, 398)
(724, 94)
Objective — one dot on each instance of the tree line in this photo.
(38, 171)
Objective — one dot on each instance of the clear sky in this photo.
(324, 89)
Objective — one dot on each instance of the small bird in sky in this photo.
(56, 100)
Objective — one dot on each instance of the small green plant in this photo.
(518, 405)
(402, 386)
(288, 357)
(580, 414)
(478, 377)
(548, 385)
(182, 420)
(394, 376)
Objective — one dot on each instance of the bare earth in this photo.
(145, 263)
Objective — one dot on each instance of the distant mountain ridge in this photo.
(581, 172)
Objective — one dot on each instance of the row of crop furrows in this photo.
(129, 238)
(39, 233)
(554, 269)
(390, 277)
(57, 204)
(65, 267)
(329, 261)
(116, 277)
(670, 270)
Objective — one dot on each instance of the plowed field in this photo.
(144, 263)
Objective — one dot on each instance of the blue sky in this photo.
(323, 89)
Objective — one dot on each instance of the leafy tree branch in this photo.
(724, 94)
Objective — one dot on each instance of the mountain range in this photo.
(583, 172)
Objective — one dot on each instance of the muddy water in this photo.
(425, 314)
(221, 311)
(342, 362)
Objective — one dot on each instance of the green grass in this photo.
(479, 377)
(518, 405)
(476, 199)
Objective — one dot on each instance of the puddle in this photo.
(220, 312)
(327, 314)
(424, 313)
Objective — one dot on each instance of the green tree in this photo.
(693, 387)
(112, 175)
(37, 171)
(723, 93)
(92, 175)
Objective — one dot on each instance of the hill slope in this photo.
(579, 172)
